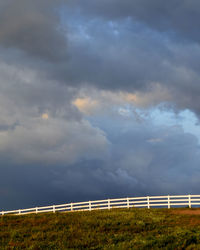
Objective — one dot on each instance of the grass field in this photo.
(114, 229)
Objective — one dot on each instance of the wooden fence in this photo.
(143, 202)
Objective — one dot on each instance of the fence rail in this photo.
(143, 202)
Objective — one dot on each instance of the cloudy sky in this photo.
(98, 99)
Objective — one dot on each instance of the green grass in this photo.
(114, 229)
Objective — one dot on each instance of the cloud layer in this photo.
(80, 84)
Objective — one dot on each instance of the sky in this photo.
(98, 99)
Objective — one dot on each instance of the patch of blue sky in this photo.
(186, 119)
(123, 118)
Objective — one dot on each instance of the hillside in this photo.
(114, 229)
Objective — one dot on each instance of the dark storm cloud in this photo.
(128, 56)
(39, 123)
(112, 45)
(143, 161)
(5, 127)
(133, 45)
(178, 16)
(33, 27)
(116, 62)
(50, 153)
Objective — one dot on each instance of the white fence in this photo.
(145, 202)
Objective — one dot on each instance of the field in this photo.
(114, 229)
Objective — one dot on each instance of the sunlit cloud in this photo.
(45, 116)
(86, 105)
(156, 94)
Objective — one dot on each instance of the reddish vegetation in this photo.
(187, 211)
(189, 217)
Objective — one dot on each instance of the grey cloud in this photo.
(181, 17)
(33, 27)
(120, 53)
(114, 61)
(133, 59)
(25, 92)
(116, 55)
(5, 127)
(52, 142)
(139, 164)
(39, 122)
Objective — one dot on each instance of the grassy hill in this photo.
(114, 229)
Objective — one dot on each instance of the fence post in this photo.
(19, 211)
(168, 201)
(148, 204)
(128, 205)
(54, 209)
(90, 208)
(36, 210)
(71, 206)
(189, 200)
(108, 203)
